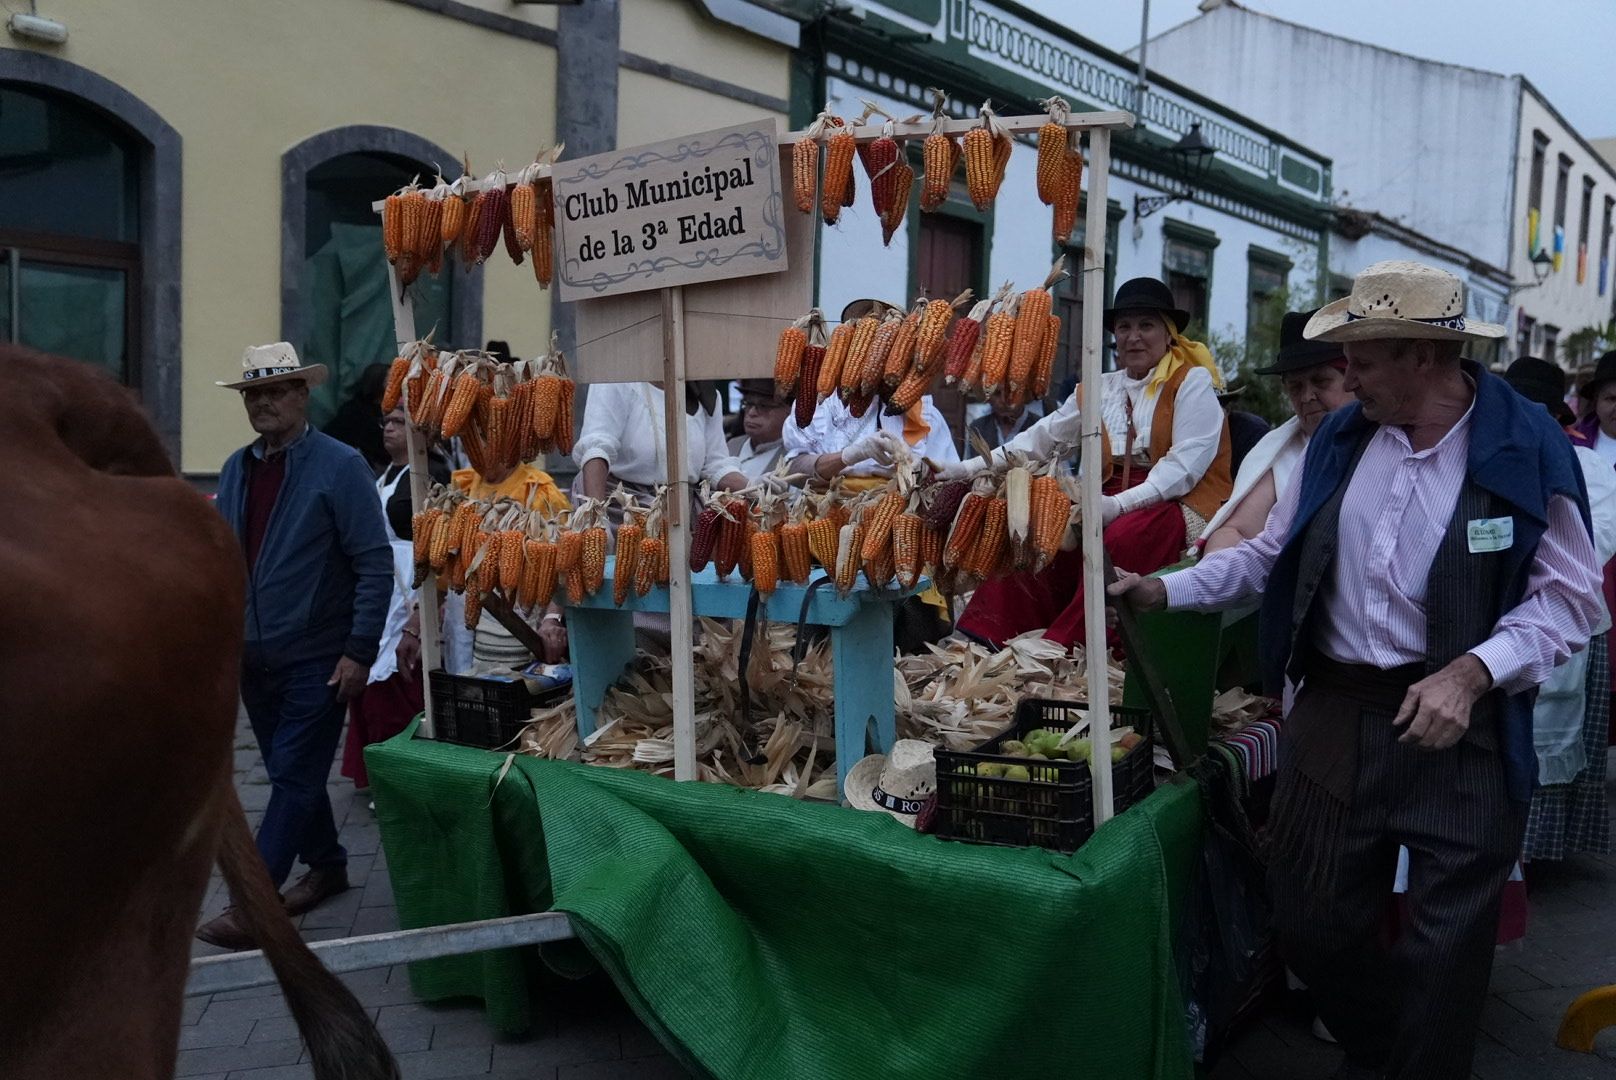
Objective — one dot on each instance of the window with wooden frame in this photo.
(70, 263)
(1187, 268)
(1268, 276)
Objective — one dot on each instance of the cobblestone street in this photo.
(588, 1033)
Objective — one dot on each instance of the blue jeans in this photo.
(298, 721)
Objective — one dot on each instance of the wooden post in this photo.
(420, 480)
(1094, 235)
(679, 606)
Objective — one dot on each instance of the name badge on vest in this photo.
(1490, 534)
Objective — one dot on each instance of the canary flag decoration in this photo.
(1534, 217)
(1582, 263)
(1559, 247)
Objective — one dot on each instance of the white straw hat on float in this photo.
(1400, 299)
(261, 364)
(899, 783)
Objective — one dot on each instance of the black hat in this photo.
(1537, 380)
(1145, 294)
(759, 388)
(1297, 352)
(1604, 372)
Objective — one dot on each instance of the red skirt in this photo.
(1142, 541)
(381, 711)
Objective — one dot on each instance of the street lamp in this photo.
(1542, 264)
(1192, 156)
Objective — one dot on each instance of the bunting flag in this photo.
(1533, 218)
(1582, 263)
(1604, 273)
(1559, 248)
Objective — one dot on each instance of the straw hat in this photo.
(899, 783)
(262, 364)
(1399, 299)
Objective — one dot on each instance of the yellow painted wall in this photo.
(242, 83)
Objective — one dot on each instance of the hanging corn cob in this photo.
(813, 361)
(836, 353)
(987, 153)
(1032, 323)
(524, 213)
(837, 188)
(733, 518)
(940, 155)
(849, 543)
(788, 355)
(454, 213)
(901, 353)
(1051, 512)
(805, 164)
(1068, 193)
(880, 156)
(393, 226)
(932, 336)
(1044, 370)
(1054, 142)
(491, 219)
(998, 337)
(704, 534)
(967, 527)
(630, 538)
(983, 561)
(858, 354)
(878, 519)
(907, 554)
(1018, 508)
(869, 380)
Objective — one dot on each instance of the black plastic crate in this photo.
(1053, 809)
(488, 713)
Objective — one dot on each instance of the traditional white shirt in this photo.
(756, 461)
(834, 427)
(1197, 429)
(1606, 446)
(624, 426)
(1279, 452)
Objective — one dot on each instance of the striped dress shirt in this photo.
(1397, 508)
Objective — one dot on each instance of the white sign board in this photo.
(698, 208)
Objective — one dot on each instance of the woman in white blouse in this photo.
(624, 440)
(1166, 456)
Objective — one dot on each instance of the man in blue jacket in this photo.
(1426, 574)
(320, 574)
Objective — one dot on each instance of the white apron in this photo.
(403, 600)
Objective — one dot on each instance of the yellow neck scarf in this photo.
(1184, 351)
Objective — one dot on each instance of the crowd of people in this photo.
(1430, 544)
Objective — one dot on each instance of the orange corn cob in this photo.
(994, 537)
(901, 189)
(858, 353)
(527, 590)
(471, 230)
(573, 585)
(966, 529)
(471, 441)
(932, 335)
(1003, 146)
(563, 425)
(939, 154)
(1044, 369)
(850, 541)
(456, 412)
(395, 384)
(796, 560)
(1067, 193)
(524, 215)
(545, 585)
(653, 549)
(830, 371)
(804, 173)
(546, 407)
(878, 525)
(981, 167)
(569, 550)
(931, 550)
(906, 551)
(1051, 510)
(971, 382)
(822, 539)
(422, 529)
(875, 360)
(1053, 143)
(838, 182)
(878, 571)
(901, 354)
(454, 219)
(765, 561)
(630, 537)
(592, 559)
(911, 389)
(1032, 322)
(429, 234)
(392, 227)
(788, 361)
(997, 338)
(510, 561)
(474, 601)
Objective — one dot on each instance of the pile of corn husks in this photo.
(958, 694)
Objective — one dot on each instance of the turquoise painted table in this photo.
(602, 639)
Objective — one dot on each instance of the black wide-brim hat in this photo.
(1604, 372)
(1297, 352)
(1538, 380)
(1145, 294)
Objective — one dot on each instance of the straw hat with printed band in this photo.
(1400, 300)
(899, 783)
(277, 363)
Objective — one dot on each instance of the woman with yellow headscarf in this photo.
(1166, 460)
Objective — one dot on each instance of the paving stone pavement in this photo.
(589, 1033)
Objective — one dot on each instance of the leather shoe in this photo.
(315, 888)
(227, 932)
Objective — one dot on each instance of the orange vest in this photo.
(1215, 485)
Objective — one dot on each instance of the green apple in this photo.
(1016, 772)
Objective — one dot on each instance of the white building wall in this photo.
(1487, 300)
(1429, 145)
(853, 264)
(1561, 301)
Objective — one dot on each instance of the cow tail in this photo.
(343, 1043)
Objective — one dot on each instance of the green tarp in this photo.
(763, 937)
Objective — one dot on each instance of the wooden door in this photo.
(949, 261)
